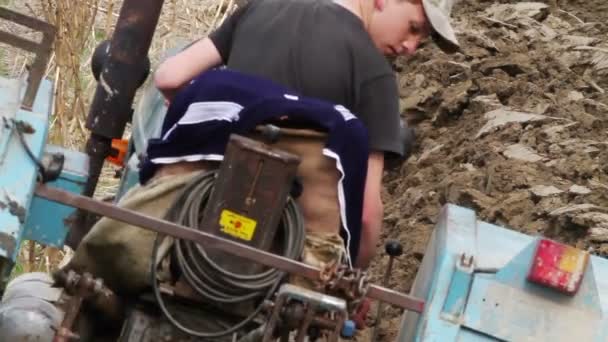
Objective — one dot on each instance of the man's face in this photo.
(398, 26)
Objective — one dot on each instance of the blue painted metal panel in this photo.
(509, 307)
(501, 305)
(17, 171)
(515, 314)
(600, 273)
(420, 288)
(458, 293)
(496, 246)
(473, 336)
(514, 274)
(46, 219)
(449, 245)
(9, 106)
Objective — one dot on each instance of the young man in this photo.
(334, 51)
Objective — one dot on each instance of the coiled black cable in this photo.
(208, 279)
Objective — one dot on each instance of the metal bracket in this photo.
(311, 302)
(81, 288)
(460, 286)
(181, 232)
(42, 50)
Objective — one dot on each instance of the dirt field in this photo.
(516, 128)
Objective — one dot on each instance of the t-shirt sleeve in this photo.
(222, 36)
(379, 110)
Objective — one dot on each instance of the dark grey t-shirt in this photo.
(319, 49)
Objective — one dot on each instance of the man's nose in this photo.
(410, 46)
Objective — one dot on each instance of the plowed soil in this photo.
(514, 127)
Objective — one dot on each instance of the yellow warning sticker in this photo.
(236, 225)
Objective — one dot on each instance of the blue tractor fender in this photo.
(474, 279)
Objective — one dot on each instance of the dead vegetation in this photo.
(76, 36)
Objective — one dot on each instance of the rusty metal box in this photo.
(248, 198)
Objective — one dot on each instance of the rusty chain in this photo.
(334, 277)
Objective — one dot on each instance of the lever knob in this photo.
(393, 248)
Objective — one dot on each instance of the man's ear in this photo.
(380, 4)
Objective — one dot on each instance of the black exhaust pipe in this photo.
(125, 64)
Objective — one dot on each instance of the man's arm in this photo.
(373, 210)
(178, 70)
(378, 109)
(207, 53)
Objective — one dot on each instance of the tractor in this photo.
(477, 281)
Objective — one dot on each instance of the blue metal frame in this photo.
(46, 221)
(495, 302)
(18, 172)
(23, 216)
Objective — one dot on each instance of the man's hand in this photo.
(373, 210)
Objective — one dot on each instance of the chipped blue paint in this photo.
(458, 292)
(501, 304)
(9, 105)
(17, 171)
(46, 219)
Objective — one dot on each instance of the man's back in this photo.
(331, 51)
(319, 49)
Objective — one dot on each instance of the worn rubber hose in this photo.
(210, 280)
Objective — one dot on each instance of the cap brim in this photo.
(443, 33)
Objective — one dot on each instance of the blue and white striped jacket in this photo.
(220, 102)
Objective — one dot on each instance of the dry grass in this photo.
(82, 25)
(75, 21)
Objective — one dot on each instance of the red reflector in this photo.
(558, 266)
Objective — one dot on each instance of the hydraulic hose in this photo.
(207, 278)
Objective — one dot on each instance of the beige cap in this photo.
(438, 13)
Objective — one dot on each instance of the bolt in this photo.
(466, 261)
(393, 249)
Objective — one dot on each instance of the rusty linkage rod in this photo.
(120, 76)
(84, 288)
(42, 49)
(212, 241)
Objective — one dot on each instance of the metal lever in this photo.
(393, 249)
(171, 229)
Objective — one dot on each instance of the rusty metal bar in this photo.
(42, 50)
(17, 42)
(212, 241)
(22, 19)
